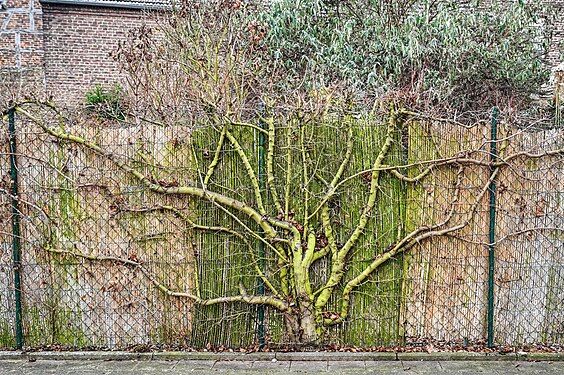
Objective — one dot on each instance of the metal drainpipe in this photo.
(491, 259)
(16, 246)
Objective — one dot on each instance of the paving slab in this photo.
(423, 367)
(49, 367)
(11, 367)
(346, 365)
(224, 356)
(104, 356)
(383, 367)
(128, 367)
(336, 356)
(290, 356)
(194, 365)
(271, 365)
(233, 365)
(504, 368)
(309, 367)
(529, 367)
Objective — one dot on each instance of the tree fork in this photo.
(338, 264)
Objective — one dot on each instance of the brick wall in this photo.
(555, 50)
(21, 49)
(59, 50)
(78, 44)
(21, 35)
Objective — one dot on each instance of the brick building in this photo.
(62, 47)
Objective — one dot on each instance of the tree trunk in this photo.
(301, 325)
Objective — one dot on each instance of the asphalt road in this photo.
(139, 367)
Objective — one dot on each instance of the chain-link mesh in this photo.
(449, 276)
(113, 256)
(530, 242)
(446, 277)
(80, 203)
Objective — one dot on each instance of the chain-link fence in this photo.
(232, 233)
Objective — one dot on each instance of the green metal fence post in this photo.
(491, 257)
(16, 246)
(261, 177)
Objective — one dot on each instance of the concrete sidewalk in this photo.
(128, 363)
(141, 367)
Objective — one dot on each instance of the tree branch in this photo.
(256, 300)
(249, 169)
(411, 240)
(339, 173)
(288, 172)
(193, 225)
(338, 264)
(269, 164)
(181, 190)
(215, 160)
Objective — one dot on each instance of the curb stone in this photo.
(88, 356)
(280, 356)
(337, 356)
(456, 356)
(524, 356)
(207, 356)
(10, 356)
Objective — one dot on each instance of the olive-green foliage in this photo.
(108, 102)
(463, 55)
(431, 54)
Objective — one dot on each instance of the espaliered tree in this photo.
(302, 231)
(221, 62)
